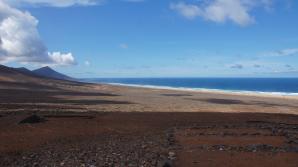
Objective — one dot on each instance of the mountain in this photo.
(21, 78)
(25, 71)
(6, 70)
(16, 74)
(50, 73)
(9, 74)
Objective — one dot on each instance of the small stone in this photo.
(32, 119)
(165, 164)
(171, 155)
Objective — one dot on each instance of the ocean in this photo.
(288, 86)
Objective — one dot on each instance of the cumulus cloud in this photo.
(62, 59)
(220, 11)
(55, 3)
(20, 40)
(189, 11)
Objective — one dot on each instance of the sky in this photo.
(152, 38)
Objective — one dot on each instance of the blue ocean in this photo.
(260, 85)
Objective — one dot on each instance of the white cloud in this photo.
(62, 59)
(236, 66)
(87, 63)
(62, 3)
(189, 11)
(133, 0)
(123, 46)
(223, 10)
(55, 3)
(284, 52)
(220, 11)
(20, 40)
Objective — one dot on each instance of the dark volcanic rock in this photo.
(32, 119)
(101, 151)
(167, 164)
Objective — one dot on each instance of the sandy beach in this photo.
(171, 100)
(76, 124)
(144, 83)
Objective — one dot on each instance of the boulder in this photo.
(32, 119)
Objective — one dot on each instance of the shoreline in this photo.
(69, 124)
(281, 95)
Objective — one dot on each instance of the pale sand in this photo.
(164, 100)
(242, 93)
(199, 128)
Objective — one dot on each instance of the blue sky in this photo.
(149, 38)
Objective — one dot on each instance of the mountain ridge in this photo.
(50, 73)
(13, 74)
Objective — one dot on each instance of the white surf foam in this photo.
(208, 90)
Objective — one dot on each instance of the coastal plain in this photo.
(46, 122)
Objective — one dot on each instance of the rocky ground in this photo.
(106, 150)
(148, 139)
(75, 124)
(257, 139)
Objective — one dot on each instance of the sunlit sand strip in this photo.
(280, 95)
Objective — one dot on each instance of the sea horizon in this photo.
(248, 85)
